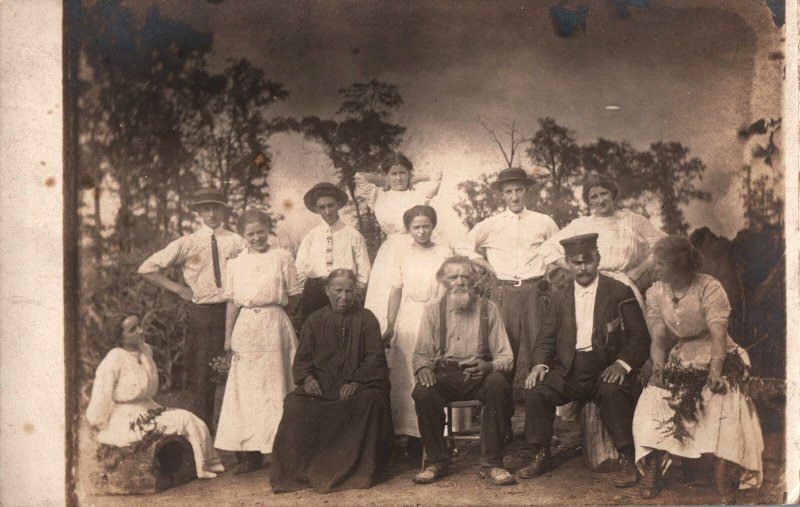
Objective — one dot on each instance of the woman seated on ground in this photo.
(693, 308)
(123, 390)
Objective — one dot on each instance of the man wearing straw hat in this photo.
(202, 257)
(329, 246)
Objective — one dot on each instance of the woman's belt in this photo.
(261, 308)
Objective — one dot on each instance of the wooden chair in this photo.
(450, 435)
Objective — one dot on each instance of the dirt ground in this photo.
(570, 483)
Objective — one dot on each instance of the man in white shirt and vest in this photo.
(589, 347)
(202, 256)
(511, 240)
(329, 246)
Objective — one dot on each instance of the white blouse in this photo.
(625, 239)
(389, 205)
(259, 279)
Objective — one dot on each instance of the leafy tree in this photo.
(673, 175)
(358, 138)
(554, 149)
(230, 130)
(129, 120)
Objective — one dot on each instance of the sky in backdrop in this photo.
(682, 70)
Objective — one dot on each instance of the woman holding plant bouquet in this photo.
(260, 283)
(694, 404)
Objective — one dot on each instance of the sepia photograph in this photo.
(423, 253)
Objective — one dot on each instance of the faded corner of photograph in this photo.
(338, 251)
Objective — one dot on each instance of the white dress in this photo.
(263, 344)
(389, 206)
(414, 271)
(625, 240)
(123, 390)
(728, 426)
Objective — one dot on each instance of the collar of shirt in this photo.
(209, 231)
(337, 225)
(522, 214)
(588, 290)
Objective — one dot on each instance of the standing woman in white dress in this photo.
(694, 309)
(625, 239)
(413, 286)
(124, 385)
(260, 283)
(389, 204)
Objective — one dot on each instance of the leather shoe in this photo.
(497, 476)
(539, 465)
(650, 485)
(430, 474)
(629, 475)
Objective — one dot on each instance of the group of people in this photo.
(328, 408)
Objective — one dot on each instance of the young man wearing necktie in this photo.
(202, 257)
(589, 347)
(329, 246)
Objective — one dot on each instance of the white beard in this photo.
(459, 299)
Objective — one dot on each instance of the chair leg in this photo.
(449, 424)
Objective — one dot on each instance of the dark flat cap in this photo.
(580, 245)
(208, 196)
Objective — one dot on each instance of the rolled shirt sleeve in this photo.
(173, 253)
(473, 240)
(293, 287)
(361, 257)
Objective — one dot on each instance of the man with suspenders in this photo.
(462, 352)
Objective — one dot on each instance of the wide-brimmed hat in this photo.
(512, 174)
(580, 245)
(208, 196)
(324, 189)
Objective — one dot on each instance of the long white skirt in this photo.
(180, 422)
(380, 279)
(728, 427)
(260, 377)
(401, 374)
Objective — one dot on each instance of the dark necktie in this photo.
(215, 260)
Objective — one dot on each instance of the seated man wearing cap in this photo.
(589, 347)
(329, 246)
(202, 256)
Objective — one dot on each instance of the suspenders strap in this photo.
(483, 333)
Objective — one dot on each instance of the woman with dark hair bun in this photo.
(389, 196)
(693, 309)
(626, 238)
(122, 394)
(413, 286)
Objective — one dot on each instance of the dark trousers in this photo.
(521, 308)
(312, 299)
(582, 383)
(493, 391)
(205, 338)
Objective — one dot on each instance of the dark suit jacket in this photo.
(619, 331)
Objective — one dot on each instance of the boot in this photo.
(629, 475)
(539, 465)
(247, 461)
(725, 478)
(650, 485)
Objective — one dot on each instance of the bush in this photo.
(114, 289)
